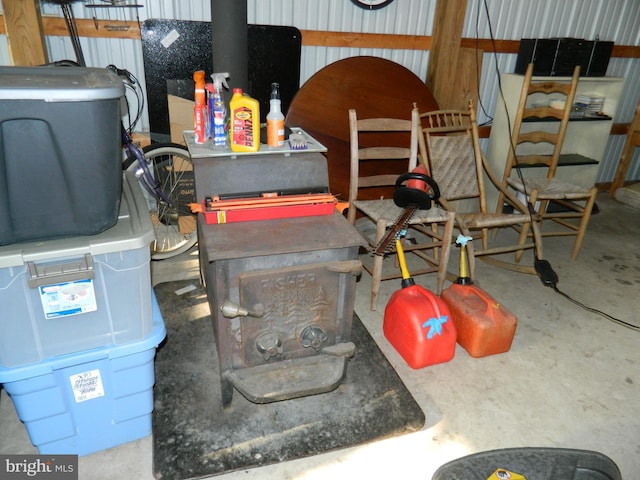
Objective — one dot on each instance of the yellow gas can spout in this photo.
(406, 278)
(463, 278)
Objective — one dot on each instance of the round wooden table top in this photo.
(374, 86)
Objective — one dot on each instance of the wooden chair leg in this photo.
(447, 237)
(584, 222)
(376, 271)
(376, 276)
(524, 231)
(436, 250)
(537, 238)
(485, 238)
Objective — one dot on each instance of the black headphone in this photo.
(405, 196)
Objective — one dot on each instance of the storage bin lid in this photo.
(59, 84)
(133, 230)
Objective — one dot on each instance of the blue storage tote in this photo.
(63, 296)
(86, 402)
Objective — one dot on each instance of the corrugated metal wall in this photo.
(615, 20)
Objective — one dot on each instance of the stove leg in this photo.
(226, 392)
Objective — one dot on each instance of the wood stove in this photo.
(281, 291)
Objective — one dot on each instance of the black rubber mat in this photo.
(194, 437)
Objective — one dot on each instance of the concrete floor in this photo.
(571, 378)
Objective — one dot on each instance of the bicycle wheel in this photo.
(175, 225)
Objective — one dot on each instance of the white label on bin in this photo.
(70, 298)
(87, 385)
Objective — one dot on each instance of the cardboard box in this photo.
(180, 117)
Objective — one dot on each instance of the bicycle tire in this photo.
(175, 227)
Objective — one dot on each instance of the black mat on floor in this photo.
(193, 437)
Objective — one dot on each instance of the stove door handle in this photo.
(231, 309)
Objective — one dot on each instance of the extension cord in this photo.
(546, 273)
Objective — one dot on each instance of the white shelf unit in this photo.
(584, 143)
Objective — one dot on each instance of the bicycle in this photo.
(165, 172)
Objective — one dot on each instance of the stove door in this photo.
(297, 310)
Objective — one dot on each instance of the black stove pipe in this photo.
(229, 41)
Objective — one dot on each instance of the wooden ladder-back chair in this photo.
(451, 147)
(541, 149)
(631, 143)
(367, 164)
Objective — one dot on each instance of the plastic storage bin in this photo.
(66, 295)
(60, 152)
(90, 401)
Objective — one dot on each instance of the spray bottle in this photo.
(275, 119)
(217, 109)
(200, 109)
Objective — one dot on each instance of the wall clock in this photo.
(372, 4)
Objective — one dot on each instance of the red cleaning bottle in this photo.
(485, 327)
(199, 109)
(418, 323)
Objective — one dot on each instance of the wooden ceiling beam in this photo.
(25, 33)
(448, 70)
(318, 38)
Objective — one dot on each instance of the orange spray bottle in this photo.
(200, 108)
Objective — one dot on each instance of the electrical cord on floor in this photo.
(550, 279)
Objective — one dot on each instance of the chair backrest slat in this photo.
(449, 148)
(535, 103)
(362, 151)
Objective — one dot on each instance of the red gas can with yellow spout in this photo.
(418, 323)
(484, 326)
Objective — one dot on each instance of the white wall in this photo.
(613, 20)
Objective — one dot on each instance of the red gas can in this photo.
(418, 324)
(484, 326)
